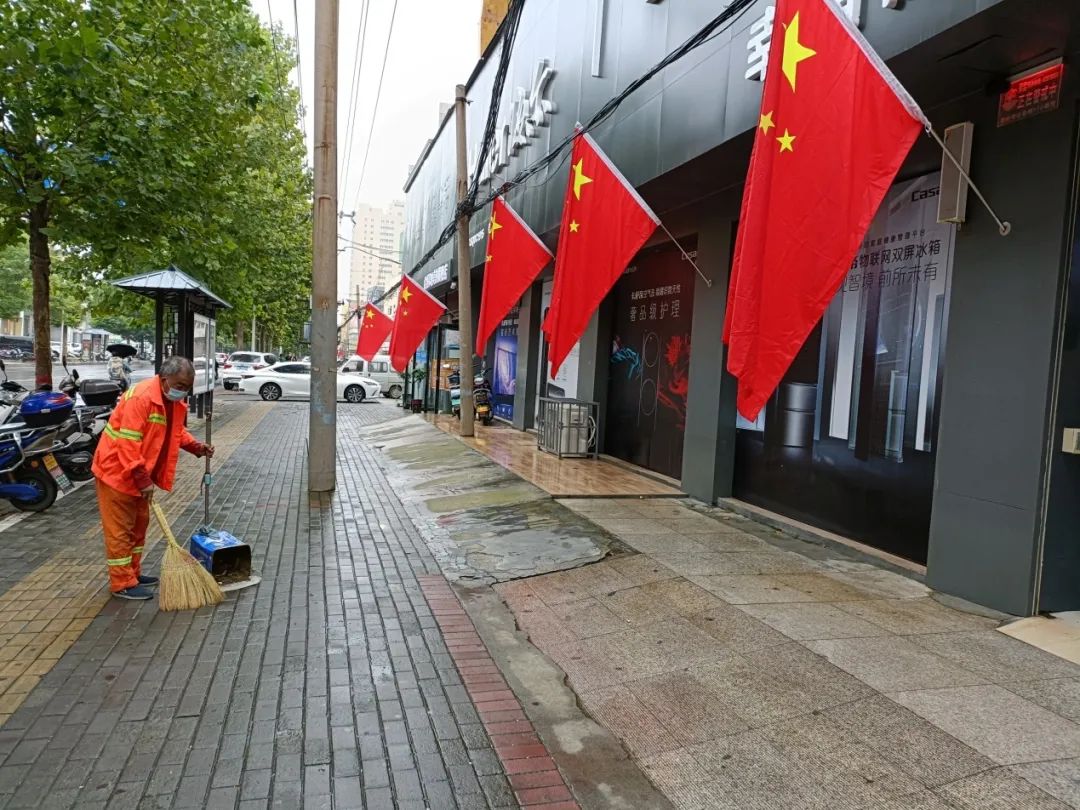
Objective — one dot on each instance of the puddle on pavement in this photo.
(527, 539)
(505, 527)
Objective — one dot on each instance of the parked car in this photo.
(379, 370)
(240, 362)
(293, 380)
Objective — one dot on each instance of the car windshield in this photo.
(245, 358)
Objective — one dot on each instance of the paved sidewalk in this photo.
(328, 685)
(375, 665)
(745, 669)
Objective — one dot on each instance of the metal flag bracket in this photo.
(682, 250)
(1004, 226)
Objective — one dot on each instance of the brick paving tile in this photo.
(350, 677)
(534, 780)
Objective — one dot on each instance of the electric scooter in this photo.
(482, 400)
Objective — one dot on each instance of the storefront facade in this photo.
(925, 415)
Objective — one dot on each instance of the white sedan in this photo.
(283, 380)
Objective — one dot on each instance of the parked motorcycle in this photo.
(482, 406)
(30, 473)
(81, 432)
(26, 479)
(77, 435)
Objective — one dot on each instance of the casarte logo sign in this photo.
(528, 112)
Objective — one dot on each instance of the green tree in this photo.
(125, 135)
(14, 281)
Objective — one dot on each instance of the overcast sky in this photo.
(434, 46)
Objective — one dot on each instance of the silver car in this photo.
(240, 363)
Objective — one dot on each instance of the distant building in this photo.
(490, 19)
(376, 257)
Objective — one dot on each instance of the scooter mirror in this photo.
(75, 375)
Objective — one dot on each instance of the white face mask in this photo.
(176, 395)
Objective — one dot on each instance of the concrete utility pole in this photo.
(464, 273)
(322, 423)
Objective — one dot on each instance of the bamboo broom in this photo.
(185, 584)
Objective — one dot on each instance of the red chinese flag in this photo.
(375, 325)
(604, 223)
(835, 127)
(515, 257)
(417, 312)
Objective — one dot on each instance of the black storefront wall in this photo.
(992, 399)
(649, 363)
(847, 442)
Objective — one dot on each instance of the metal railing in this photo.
(567, 428)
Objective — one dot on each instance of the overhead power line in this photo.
(354, 90)
(378, 95)
(351, 245)
(299, 73)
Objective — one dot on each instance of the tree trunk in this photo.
(239, 333)
(40, 268)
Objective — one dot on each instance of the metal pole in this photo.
(322, 425)
(464, 272)
(254, 346)
(159, 331)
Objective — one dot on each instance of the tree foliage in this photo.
(14, 280)
(139, 133)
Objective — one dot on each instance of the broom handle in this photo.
(155, 507)
(206, 476)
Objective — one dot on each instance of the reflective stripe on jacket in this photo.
(133, 439)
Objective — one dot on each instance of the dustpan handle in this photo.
(155, 507)
(206, 475)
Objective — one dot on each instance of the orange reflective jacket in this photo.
(131, 445)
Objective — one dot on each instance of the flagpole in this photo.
(1004, 227)
(671, 236)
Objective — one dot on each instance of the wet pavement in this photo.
(487, 524)
(439, 633)
(340, 681)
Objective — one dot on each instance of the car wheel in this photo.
(394, 392)
(229, 386)
(271, 392)
(354, 394)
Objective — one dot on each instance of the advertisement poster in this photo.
(505, 366)
(204, 344)
(650, 360)
(564, 384)
(847, 441)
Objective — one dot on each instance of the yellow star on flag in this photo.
(574, 226)
(493, 226)
(406, 294)
(488, 258)
(794, 51)
(786, 140)
(766, 122)
(579, 179)
(370, 315)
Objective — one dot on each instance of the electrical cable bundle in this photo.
(469, 206)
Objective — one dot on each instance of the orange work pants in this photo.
(124, 518)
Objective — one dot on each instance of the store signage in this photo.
(1032, 93)
(529, 112)
(437, 276)
(761, 34)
